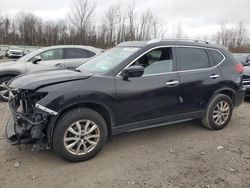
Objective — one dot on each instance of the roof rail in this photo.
(178, 39)
(188, 40)
(154, 41)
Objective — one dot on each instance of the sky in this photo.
(197, 17)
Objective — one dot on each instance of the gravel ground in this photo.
(182, 155)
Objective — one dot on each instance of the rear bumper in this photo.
(247, 90)
(240, 97)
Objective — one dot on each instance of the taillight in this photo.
(239, 68)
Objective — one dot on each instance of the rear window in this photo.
(192, 58)
(74, 53)
(216, 57)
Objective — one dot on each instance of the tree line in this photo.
(235, 37)
(118, 24)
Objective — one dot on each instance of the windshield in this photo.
(108, 60)
(30, 55)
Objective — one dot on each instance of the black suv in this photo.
(133, 86)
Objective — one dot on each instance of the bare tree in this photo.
(121, 25)
(178, 31)
(80, 16)
(241, 34)
(111, 21)
(131, 25)
(234, 36)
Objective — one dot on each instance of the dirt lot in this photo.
(183, 155)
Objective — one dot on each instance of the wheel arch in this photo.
(226, 91)
(104, 111)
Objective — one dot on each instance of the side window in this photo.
(75, 53)
(156, 61)
(90, 54)
(192, 58)
(216, 57)
(54, 54)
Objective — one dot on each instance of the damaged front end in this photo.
(29, 119)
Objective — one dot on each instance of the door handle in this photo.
(172, 83)
(214, 76)
(59, 65)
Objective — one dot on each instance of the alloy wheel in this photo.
(221, 112)
(81, 137)
(4, 91)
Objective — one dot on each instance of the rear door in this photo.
(74, 57)
(199, 78)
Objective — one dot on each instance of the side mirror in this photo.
(132, 72)
(36, 59)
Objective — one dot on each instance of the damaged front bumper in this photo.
(10, 131)
(14, 137)
(29, 120)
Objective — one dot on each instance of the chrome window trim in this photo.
(209, 68)
(175, 46)
(165, 46)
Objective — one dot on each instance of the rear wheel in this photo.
(219, 112)
(80, 135)
(4, 91)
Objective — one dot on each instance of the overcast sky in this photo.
(197, 17)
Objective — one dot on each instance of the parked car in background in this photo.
(1, 54)
(246, 77)
(247, 60)
(243, 58)
(133, 86)
(45, 58)
(14, 52)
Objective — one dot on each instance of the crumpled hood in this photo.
(40, 79)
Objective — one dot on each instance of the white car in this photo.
(1, 54)
(54, 57)
(13, 51)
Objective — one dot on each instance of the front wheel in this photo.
(219, 112)
(4, 90)
(79, 135)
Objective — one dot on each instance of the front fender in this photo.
(59, 102)
(64, 96)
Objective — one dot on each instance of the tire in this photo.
(216, 118)
(86, 118)
(2, 87)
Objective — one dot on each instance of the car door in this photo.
(199, 78)
(74, 57)
(152, 98)
(50, 59)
